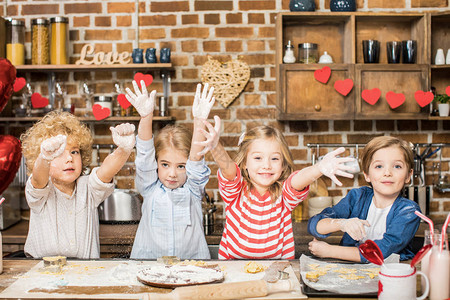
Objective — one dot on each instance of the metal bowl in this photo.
(121, 206)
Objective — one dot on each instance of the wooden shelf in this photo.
(89, 119)
(79, 68)
(438, 118)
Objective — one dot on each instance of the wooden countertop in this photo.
(12, 268)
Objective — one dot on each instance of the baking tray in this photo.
(310, 292)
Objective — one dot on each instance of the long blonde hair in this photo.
(173, 136)
(51, 125)
(267, 133)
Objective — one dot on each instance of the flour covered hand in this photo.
(203, 102)
(331, 165)
(53, 147)
(141, 100)
(212, 136)
(123, 136)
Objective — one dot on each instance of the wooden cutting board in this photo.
(117, 280)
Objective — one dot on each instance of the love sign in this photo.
(102, 58)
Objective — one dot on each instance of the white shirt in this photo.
(377, 220)
(66, 225)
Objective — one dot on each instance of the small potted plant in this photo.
(443, 104)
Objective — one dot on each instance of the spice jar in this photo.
(39, 42)
(105, 102)
(59, 40)
(307, 53)
(289, 57)
(15, 42)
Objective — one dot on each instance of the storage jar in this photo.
(307, 53)
(15, 42)
(105, 102)
(39, 42)
(59, 40)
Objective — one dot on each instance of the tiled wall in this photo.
(227, 29)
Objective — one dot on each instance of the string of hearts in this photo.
(373, 95)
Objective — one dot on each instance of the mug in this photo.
(164, 55)
(138, 55)
(371, 51)
(409, 51)
(398, 281)
(394, 52)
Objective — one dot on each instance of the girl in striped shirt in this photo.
(260, 191)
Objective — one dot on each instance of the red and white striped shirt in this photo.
(256, 226)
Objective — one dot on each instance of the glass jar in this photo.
(307, 53)
(105, 102)
(59, 32)
(39, 42)
(15, 42)
(289, 57)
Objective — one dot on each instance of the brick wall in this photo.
(226, 29)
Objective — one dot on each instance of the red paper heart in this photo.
(123, 101)
(423, 98)
(19, 84)
(148, 79)
(343, 86)
(447, 91)
(100, 112)
(371, 96)
(37, 101)
(323, 74)
(394, 100)
(10, 155)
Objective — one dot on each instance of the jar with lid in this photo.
(307, 53)
(59, 45)
(39, 41)
(105, 102)
(289, 57)
(15, 42)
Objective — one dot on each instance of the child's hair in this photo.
(51, 125)
(173, 136)
(382, 142)
(265, 132)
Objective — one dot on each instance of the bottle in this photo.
(425, 262)
(439, 271)
(15, 42)
(307, 53)
(39, 42)
(289, 57)
(440, 58)
(59, 40)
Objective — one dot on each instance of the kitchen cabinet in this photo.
(301, 96)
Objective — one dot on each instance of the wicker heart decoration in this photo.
(228, 79)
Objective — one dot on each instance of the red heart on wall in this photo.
(19, 84)
(10, 155)
(423, 98)
(100, 112)
(447, 91)
(123, 101)
(323, 74)
(37, 101)
(371, 96)
(343, 86)
(395, 100)
(148, 79)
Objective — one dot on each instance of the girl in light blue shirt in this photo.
(171, 176)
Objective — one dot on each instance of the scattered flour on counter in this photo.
(180, 274)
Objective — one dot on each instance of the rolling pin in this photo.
(232, 290)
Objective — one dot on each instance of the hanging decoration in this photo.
(395, 100)
(100, 112)
(19, 84)
(423, 98)
(323, 75)
(343, 86)
(371, 96)
(228, 79)
(447, 91)
(123, 102)
(148, 79)
(37, 101)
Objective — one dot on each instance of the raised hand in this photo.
(203, 102)
(354, 227)
(53, 147)
(331, 165)
(212, 136)
(142, 101)
(123, 136)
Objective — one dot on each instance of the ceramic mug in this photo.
(398, 281)
(138, 55)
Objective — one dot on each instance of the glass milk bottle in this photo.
(439, 271)
(426, 259)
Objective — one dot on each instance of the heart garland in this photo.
(447, 91)
(228, 79)
(100, 112)
(323, 74)
(395, 99)
(124, 103)
(371, 96)
(148, 79)
(343, 86)
(423, 98)
(37, 101)
(19, 84)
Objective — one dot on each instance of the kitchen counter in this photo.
(14, 268)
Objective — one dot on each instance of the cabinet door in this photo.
(302, 97)
(404, 79)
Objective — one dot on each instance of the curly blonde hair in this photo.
(51, 125)
(268, 133)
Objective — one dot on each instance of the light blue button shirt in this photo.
(172, 220)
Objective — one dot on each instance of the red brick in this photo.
(211, 46)
(362, 125)
(179, 60)
(200, 5)
(234, 18)
(385, 125)
(256, 46)
(319, 126)
(103, 35)
(152, 34)
(271, 99)
(82, 8)
(41, 9)
(267, 85)
(360, 138)
(158, 20)
(103, 21)
(81, 21)
(252, 99)
(341, 125)
(385, 4)
(257, 5)
(190, 73)
(234, 32)
(169, 6)
(212, 19)
(189, 46)
(232, 127)
(407, 125)
(322, 139)
(123, 21)
(254, 18)
(429, 3)
(255, 113)
(190, 32)
(266, 32)
(189, 19)
(441, 137)
(120, 7)
(233, 46)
